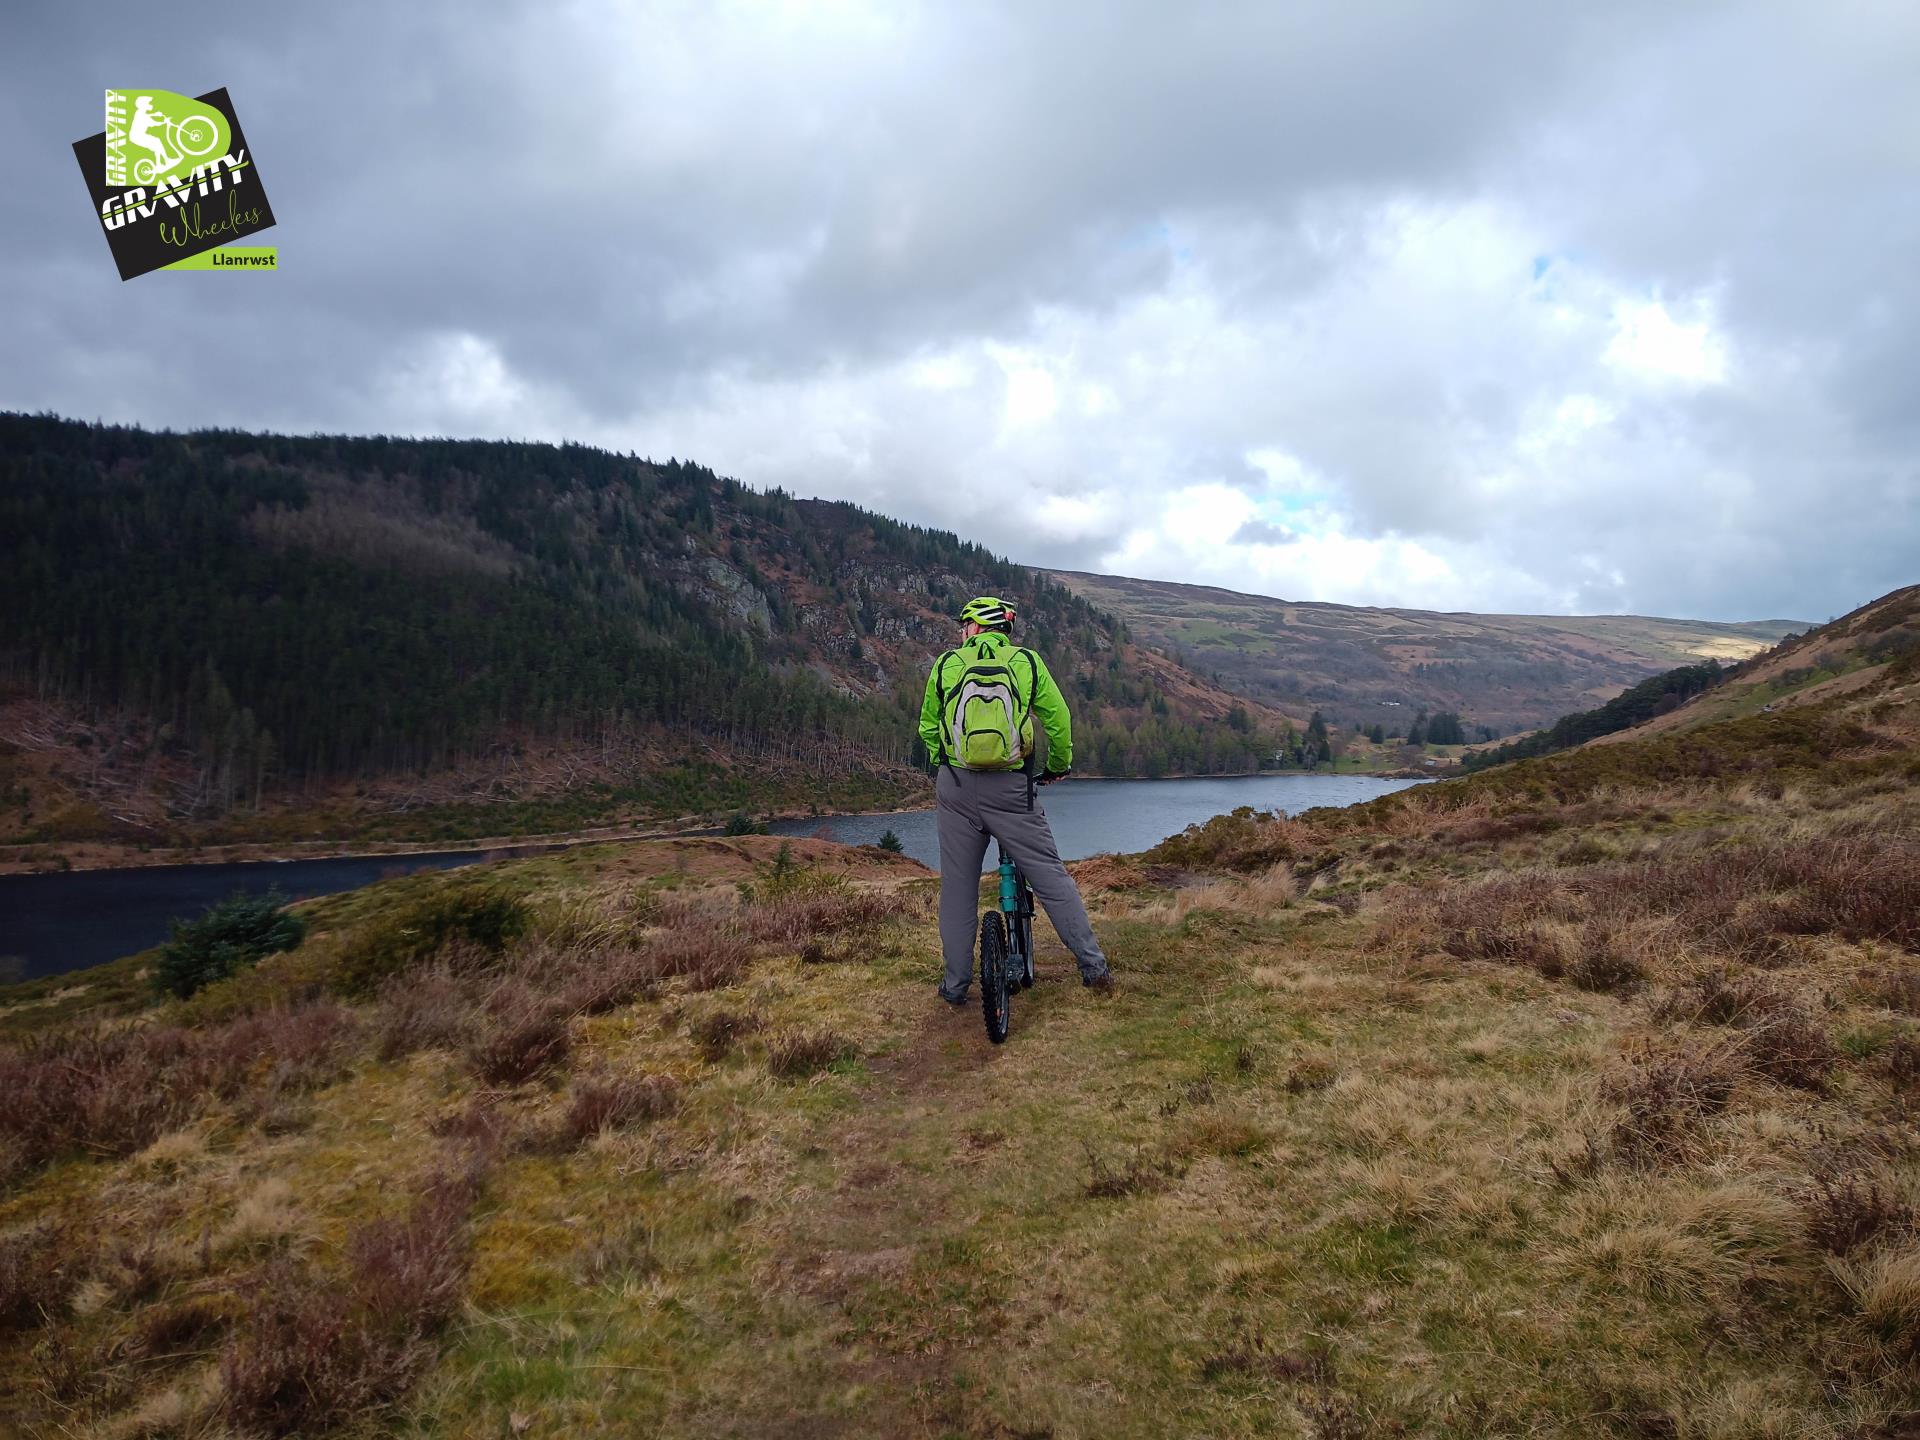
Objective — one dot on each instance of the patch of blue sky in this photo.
(1289, 507)
(1552, 271)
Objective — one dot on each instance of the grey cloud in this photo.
(675, 226)
(1261, 532)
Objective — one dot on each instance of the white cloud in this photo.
(1649, 343)
(1031, 396)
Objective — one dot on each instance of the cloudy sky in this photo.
(1467, 306)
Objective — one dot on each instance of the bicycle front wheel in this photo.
(996, 1002)
(195, 135)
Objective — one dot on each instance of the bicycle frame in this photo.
(1009, 885)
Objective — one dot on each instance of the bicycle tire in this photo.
(201, 126)
(996, 1000)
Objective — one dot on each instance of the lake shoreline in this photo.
(101, 855)
(92, 855)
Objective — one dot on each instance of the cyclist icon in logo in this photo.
(152, 129)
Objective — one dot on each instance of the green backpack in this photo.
(987, 722)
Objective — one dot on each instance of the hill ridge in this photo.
(1366, 663)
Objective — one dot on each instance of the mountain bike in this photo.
(190, 138)
(1006, 949)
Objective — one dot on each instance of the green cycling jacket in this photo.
(1048, 703)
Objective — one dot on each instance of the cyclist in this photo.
(978, 723)
(149, 131)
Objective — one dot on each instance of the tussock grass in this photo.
(795, 1054)
(1885, 1290)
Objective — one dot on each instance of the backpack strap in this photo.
(1033, 688)
(940, 691)
(1033, 676)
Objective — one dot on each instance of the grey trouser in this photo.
(973, 806)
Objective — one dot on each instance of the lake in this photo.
(59, 922)
(1090, 817)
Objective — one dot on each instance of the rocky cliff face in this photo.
(731, 594)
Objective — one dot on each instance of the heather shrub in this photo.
(484, 1124)
(1782, 1041)
(472, 923)
(1137, 1174)
(1846, 1211)
(1892, 989)
(1310, 1075)
(38, 1271)
(527, 1035)
(708, 957)
(310, 1356)
(1667, 1098)
(606, 1102)
(421, 1012)
(793, 1054)
(598, 981)
(1903, 1062)
(235, 933)
(790, 921)
(304, 1046)
(1718, 997)
(718, 1033)
(116, 1090)
(1736, 898)
(1603, 963)
(167, 1329)
(1492, 829)
(1790, 1046)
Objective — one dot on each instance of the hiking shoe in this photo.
(1101, 980)
(959, 1004)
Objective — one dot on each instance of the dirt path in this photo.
(882, 1259)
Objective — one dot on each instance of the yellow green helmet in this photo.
(988, 610)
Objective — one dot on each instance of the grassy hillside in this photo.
(1850, 655)
(221, 636)
(1380, 666)
(1573, 1098)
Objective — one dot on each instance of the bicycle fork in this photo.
(1016, 903)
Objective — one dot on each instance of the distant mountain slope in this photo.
(1845, 658)
(1373, 665)
(1635, 705)
(214, 623)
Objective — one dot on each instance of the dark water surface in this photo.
(60, 922)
